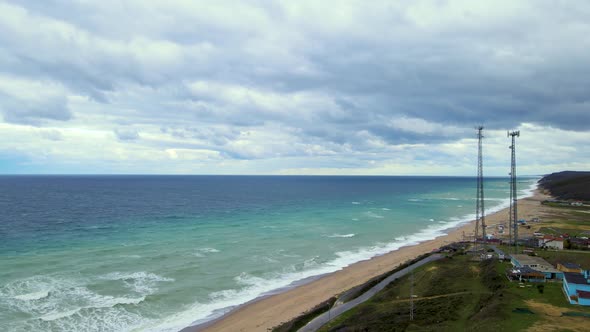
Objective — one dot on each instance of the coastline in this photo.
(270, 310)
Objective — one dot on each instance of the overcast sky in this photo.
(293, 87)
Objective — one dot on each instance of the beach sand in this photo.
(265, 313)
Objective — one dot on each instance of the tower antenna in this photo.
(479, 205)
(513, 196)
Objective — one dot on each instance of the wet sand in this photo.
(265, 313)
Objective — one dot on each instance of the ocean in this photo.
(159, 253)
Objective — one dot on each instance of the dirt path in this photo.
(437, 296)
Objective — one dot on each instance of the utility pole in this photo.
(513, 196)
(412, 296)
(479, 206)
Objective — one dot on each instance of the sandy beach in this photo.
(265, 313)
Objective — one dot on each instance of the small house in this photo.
(538, 264)
(525, 273)
(553, 242)
(576, 287)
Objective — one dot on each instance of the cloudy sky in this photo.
(293, 87)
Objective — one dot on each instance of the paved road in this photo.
(324, 318)
(498, 251)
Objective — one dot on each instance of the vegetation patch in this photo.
(300, 321)
(447, 297)
(568, 185)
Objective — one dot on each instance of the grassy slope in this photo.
(461, 295)
(450, 293)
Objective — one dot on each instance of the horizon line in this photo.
(189, 174)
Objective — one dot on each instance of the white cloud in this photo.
(350, 87)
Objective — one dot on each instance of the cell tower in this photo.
(513, 197)
(479, 207)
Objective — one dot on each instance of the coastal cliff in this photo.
(567, 185)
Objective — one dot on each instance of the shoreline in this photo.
(269, 310)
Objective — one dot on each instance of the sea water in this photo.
(159, 253)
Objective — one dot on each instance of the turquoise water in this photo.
(162, 253)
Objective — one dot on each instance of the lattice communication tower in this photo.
(513, 196)
(479, 206)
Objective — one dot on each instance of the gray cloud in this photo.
(51, 134)
(34, 112)
(324, 78)
(126, 134)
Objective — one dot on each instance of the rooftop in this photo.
(570, 265)
(541, 264)
(530, 260)
(583, 294)
(552, 238)
(575, 278)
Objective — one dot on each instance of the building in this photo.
(549, 241)
(538, 264)
(525, 273)
(576, 287)
(569, 267)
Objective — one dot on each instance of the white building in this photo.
(551, 242)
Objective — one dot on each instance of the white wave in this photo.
(130, 256)
(356, 203)
(342, 235)
(207, 250)
(141, 282)
(248, 280)
(430, 219)
(67, 304)
(58, 315)
(27, 294)
(142, 275)
(32, 296)
(374, 215)
(311, 262)
(355, 219)
(414, 200)
(385, 209)
(202, 252)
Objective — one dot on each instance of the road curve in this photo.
(324, 318)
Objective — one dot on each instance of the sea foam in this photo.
(32, 296)
(342, 235)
